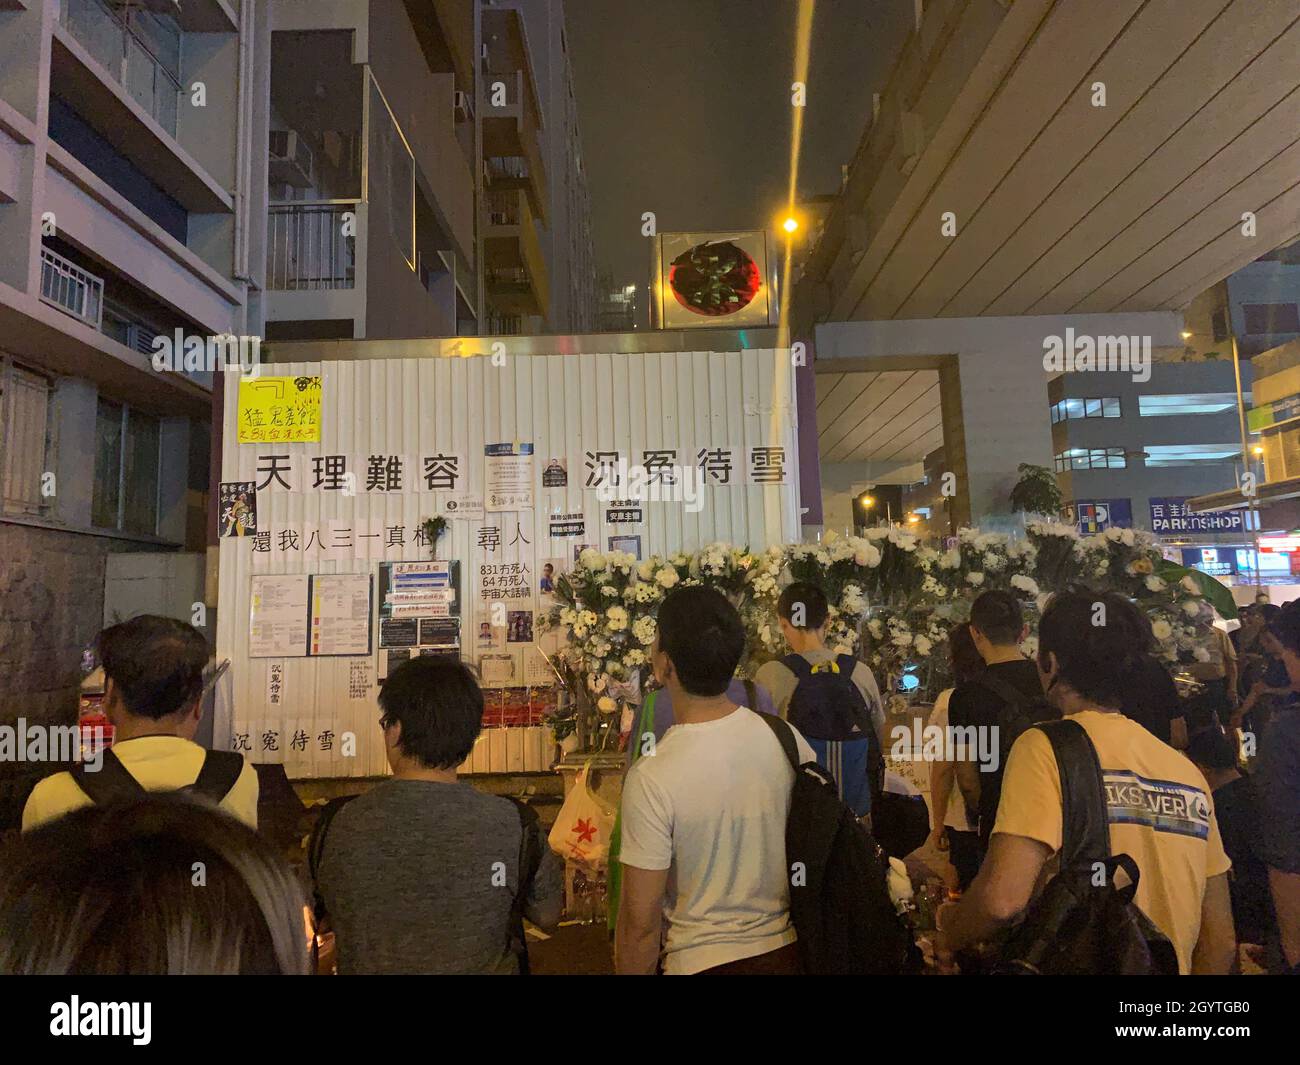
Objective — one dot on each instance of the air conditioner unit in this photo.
(462, 106)
(291, 160)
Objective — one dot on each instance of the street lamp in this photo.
(790, 224)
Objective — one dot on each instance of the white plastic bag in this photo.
(582, 828)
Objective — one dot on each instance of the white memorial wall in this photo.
(403, 440)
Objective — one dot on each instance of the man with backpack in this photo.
(153, 688)
(710, 805)
(1142, 883)
(424, 873)
(1001, 702)
(832, 700)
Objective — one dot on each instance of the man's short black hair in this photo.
(155, 663)
(439, 705)
(813, 600)
(1100, 640)
(998, 616)
(703, 637)
(1211, 748)
(1285, 626)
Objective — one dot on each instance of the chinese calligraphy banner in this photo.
(287, 409)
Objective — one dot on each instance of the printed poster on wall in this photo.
(237, 508)
(340, 614)
(419, 611)
(282, 409)
(508, 473)
(277, 623)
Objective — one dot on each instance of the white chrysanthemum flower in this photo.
(1201, 654)
(609, 590)
(1161, 629)
(975, 578)
(867, 555)
(646, 570)
(1189, 584)
(1025, 584)
(922, 645)
(592, 559)
(1156, 584)
(1191, 608)
(667, 577)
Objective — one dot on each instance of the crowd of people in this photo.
(154, 863)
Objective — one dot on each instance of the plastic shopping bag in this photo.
(583, 826)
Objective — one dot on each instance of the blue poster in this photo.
(1169, 514)
(1098, 515)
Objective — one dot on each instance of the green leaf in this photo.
(1217, 594)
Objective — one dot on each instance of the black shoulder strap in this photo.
(785, 736)
(112, 782)
(1085, 829)
(797, 664)
(530, 860)
(1008, 693)
(221, 769)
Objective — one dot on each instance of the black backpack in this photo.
(114, 782)
(826, 705)
(530, 860)
(1077, 926)
(839, 899)
(1019, 711)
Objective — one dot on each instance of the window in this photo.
(125, 493)
(1271, 318)
(1091, 458)
(1191, 454)
(24, 438)
(1187, 403)
(1070, 409)
(1219, 324)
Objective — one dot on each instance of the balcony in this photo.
(512, 157)
(71, 289)
(516, 275)
(307, 249)
(117, 84)
(109, 40)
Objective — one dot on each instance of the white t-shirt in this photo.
(955, 818)
(710, 805)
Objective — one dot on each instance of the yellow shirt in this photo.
(1158, 806)
(159, 763)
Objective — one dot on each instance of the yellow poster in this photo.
(280, 409)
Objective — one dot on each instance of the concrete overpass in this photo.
(1047, 158)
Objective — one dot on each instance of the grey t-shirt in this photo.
(411, 879)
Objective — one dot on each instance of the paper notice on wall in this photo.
(537, 670)
(498, 670)
(340, 614)
(463, 506)
(275, 684)
(360, 679)
(508, 476)
(277, 624)
(279, 409)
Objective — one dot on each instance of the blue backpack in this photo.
(829, 711)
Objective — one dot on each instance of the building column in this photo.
(995, 416)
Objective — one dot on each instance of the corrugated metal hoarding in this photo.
(383, 420)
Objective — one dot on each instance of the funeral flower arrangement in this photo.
(892, 597)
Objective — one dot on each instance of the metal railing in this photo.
(110, 42)
(310, 246)
(499, 167)
(71, 289)
(503, 209)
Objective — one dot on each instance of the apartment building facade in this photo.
(132, 207)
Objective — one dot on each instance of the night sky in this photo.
(684, 107)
